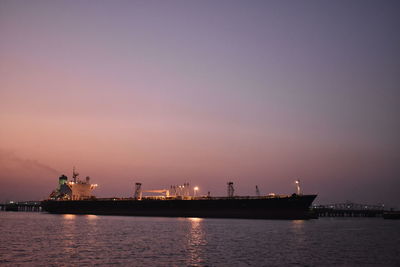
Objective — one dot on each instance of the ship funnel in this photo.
(62, 180)
(138, 191)
(231, 190)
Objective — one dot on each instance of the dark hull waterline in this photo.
(291, 207)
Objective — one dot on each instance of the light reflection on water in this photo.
(91, 217)
(196, 241)
(78, 229)
(86, 240)
(69, 216)
(69, 232)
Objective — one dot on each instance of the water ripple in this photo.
(40, 239)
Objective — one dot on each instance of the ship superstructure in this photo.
(73, 190)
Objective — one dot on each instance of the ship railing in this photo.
(181, 198)
(242, 197)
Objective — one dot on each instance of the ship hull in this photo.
(291, 207)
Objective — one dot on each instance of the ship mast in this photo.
(74, 175)
(230, 189)
(298, 186)
(138, 191)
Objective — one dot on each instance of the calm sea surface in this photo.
(40, 239)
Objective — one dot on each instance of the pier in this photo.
(32, 206)
(348, 209)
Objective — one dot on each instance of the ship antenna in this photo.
(257, 191)
(74, 174)
(230, 189)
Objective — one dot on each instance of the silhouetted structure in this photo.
(21, 206)
(348, 209)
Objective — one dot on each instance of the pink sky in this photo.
(203, 92)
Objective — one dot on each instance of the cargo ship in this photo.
(75, 197)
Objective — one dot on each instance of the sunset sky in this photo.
(205, 92)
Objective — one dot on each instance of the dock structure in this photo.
(348, 209)
(31, 206)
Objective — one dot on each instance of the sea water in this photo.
(41, 239)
